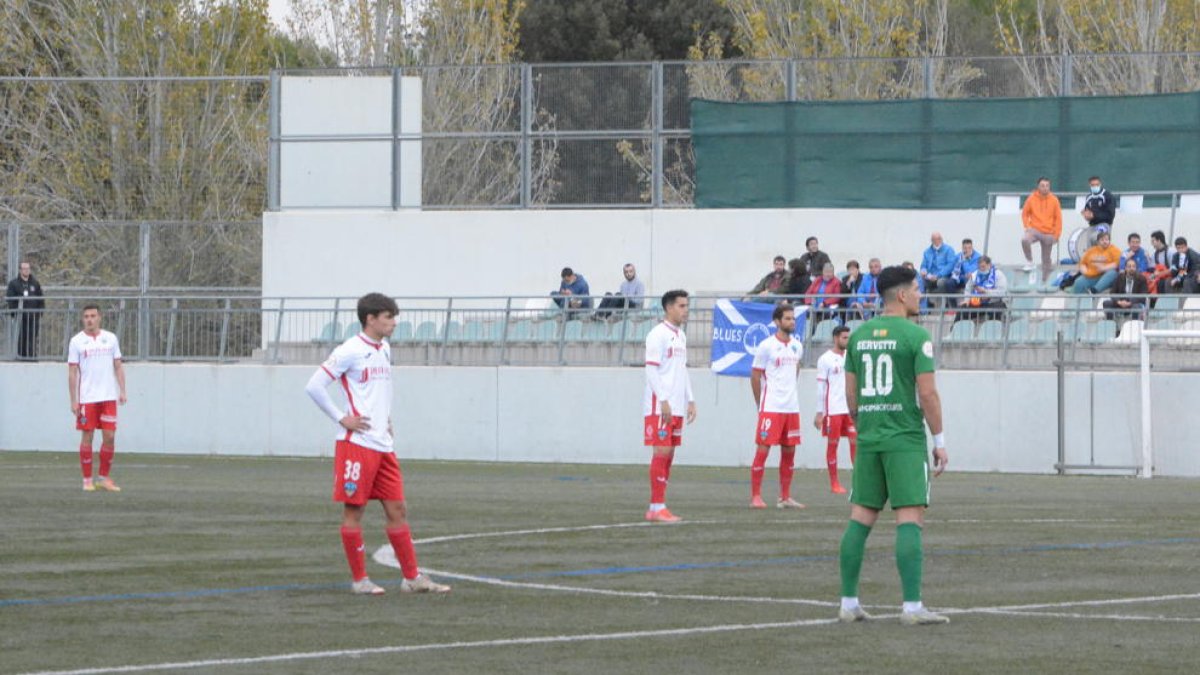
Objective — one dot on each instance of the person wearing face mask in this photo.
(1100, 207)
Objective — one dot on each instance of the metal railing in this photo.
(532, 331)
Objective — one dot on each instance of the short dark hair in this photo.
(90, 305)
(670, 297)
(1180, 241)
(1097, 178)
(1104, 235)
(1158, 234)
(1132, 235)
(1042, 178)
(779, 258)
(838, 330)
(374, 304)
(985, 259)
(567, 272)
(796, 266)
(968, 241)
(809, 241)
(854, 264)
(894, 277)
(781, 309)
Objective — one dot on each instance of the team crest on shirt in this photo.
(350, 487)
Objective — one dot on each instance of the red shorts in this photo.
(667, 435)
(839, 426)
(777, 429)
(361, 474)
(98, 415)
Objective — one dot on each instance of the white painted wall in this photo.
(481, 253)
(995, 421)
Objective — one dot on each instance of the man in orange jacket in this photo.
(1042, 218)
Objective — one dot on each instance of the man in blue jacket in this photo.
(867, 302)
(937, 266)
(964, 266)
(573, 292)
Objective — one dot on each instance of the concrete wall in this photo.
(995, 421)
(418, 253)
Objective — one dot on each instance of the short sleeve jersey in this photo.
(886, 354)
(363, 368)
(831, 371)
(778, 361)
(666, 351)
(95, 355)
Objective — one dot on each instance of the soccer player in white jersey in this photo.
(833, 415)
(96, 380)
(364, 465)
(773, 383)
(668, 393)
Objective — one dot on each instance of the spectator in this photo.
(1136, 253)
(573, 292)
(985, 293)
(823, 295)
(1128, 295)
(908, 265)
(25, 301)
(1100, 207)
(852, 278)
(1042, 218)
(1097, 266)
(796, 283)
(866, 302)
(632, 288)
(773, 280)
(813, 261)
(937, 264)
(1185, 268)
(1160, 259)
(964, 266)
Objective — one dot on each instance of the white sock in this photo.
(655, 508)
(910, 607)
(850, 604)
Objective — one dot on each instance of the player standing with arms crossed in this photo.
(96, 382)
(778, 362)
(364, 465)
(833, 416)
(668, 393)
(889, 365)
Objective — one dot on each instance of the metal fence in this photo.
(532, 331)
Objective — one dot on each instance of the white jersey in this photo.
(364, 370)
(831, 384)
(779, 361)
(666, 371)
(96, 356)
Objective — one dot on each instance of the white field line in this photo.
(1103, 617)
(552, 530)
(1079, 603)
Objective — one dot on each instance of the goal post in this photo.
(1147, 432)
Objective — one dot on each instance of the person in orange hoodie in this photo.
(1042, 218)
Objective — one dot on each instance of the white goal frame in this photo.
(1147, 468)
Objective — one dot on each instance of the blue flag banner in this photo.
(738, 327)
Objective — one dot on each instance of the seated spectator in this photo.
(937, 264)
(1160, 262)
(852, 278)
(573, 292)
(629, 296)
(823, 295)
(813, 261)
(866, 302)
(1097, 266)
(794, 284)
(1128, 295)
(773, 280)
(1185, 268)
(984, 295)
(964, 266)
(1137, 253)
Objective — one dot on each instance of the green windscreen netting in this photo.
(938, 153)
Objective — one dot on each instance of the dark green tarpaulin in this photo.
(938, 153)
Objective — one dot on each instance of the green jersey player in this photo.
(892, 394)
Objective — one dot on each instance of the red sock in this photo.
(106, 457)
(787, 463)
(831, 449)
(85, 460)
(757, 469)
(401, 538)
(352, 542)
(659, 467)
(670, 463)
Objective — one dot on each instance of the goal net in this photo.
(1147, 338)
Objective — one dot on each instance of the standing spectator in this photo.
(1160, 260)
(866, 302)
(96, 384)
(985, 293)
(1098, 266)
(632, 288)
(937, 264)
(852, 278)
(964, 266)
(1128, 295)
(1185, 268)
(1100, 207)
(1136, 253)
(25, 302)
(823, 295)
(774, 279)
(573, 292)
(1042, 218)
(813, 261)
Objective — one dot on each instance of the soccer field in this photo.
(235, 566)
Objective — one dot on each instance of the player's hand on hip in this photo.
(691, 412)
(356, 422)
(940, 460)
